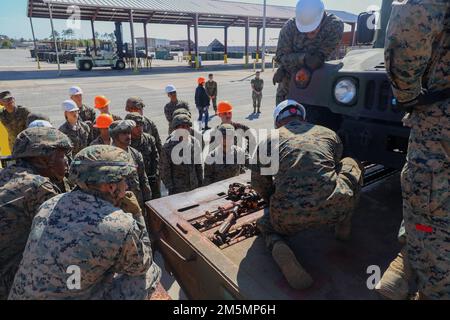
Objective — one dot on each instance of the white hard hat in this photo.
(170, 88)
(288, 108)
(309, 15)
(73, 91)
(40, 124)
(69, 106)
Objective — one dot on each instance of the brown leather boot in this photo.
(294, 273)
(394, 284)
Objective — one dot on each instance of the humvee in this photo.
(353, 96)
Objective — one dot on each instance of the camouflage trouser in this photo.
(283, 90)
(7, 274)
(155, 186)
(257, 98)
(214, 103)
(275, 224)
(426, 210)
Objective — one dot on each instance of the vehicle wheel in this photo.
(120, 65)
(87, 65)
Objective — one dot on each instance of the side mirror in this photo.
(366, 28)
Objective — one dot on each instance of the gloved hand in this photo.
(314, 62)
(279, 75)
(130, 204)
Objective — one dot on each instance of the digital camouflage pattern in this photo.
(212, 91)
(147, 146)
(82, 229)
(417, 56)
(258, 85)
(170, 108)
(181, 177)
(182, 111)
(87, 114)
(99, 141)
(79, 135)
(14, 122)
(294, 46)
(218, 171)
(150, 128)
(101, 164)
(314, 185)
(138, 183)
(22, 191)
(39, 142)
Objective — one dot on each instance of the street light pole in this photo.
(263, 68)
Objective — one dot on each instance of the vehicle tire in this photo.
(120, 65)
(87, 65)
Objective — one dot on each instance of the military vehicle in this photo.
(86, 63)
(353, 96)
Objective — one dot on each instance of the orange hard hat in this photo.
(224, 107)
(103, 121)
(201, 80)
(101, 101)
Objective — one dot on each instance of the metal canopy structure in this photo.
(210, 12)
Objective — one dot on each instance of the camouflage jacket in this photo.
(258, 84)
(146, 145)
(211, 88)
(99, 141)
(181, 177)
(87, 114)
(139, 184)
(217, 169)
(14, 122)
(78, 135)
(417, 56)
(294, 45)
(151, 129)
(81, 230)
(170, 108)
(22, 191)
(308, 158)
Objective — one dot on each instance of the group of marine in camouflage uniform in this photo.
(99, 226)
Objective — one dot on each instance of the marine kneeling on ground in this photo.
(313, 187)
(85, 230)
(181, 158)
(40, 155)
(227, 160)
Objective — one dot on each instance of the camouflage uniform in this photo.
(14, 122)
(79, 135)
(218, 171)
(417, 57)
(151, 129)
(211, 91)
(146, 145)
(186, 176)
(294, 46)
(22, 191)
(313, 185)
(170, 108)
(84, 229)
(98, 141)
(87, 114)
(258, 85)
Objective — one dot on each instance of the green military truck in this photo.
(353, 96)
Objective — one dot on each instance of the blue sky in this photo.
(14, 23)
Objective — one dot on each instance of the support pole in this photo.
(247, 38)
(197, 53)
(258, 36)
(36, 50)
(353, 34)
(263, 53)
(93, 37)
(132, 41)
(225, 57)
(54, 38)
(146, 44)
(189, 40)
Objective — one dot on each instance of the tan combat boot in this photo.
(394, 284)
(294, 273)
(343, 229)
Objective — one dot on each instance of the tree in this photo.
(68, 33)
(6, 44)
